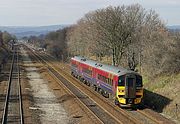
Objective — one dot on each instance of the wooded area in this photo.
(5, 39)
(130, 36)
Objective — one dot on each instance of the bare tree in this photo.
(131, 35)
(114, 27)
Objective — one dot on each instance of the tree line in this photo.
(130, 36)
(5, 38)
(5, 46)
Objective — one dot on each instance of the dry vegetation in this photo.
(132, 36)
(5, 44)
(127, 36)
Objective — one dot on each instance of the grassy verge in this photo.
(163, 95)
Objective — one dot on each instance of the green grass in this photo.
(145, 80)
(160, 83)
(166, 86)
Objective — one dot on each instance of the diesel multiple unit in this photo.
(124, 85)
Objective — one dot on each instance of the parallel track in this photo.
(89, 113)
(121, 115)
(144, 114)
(95, 110)
(13, 110)
(106, 112)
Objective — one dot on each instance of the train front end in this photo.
(129, 92)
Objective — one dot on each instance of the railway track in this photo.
(146, 115)
(141, 114)
(105, 116)
(85, 109)
(13, 110)
(154, 116)
(118, 114)
(115, 111)
(100, 115)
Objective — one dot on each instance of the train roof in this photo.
(109, 68)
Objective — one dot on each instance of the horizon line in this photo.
(33, 25)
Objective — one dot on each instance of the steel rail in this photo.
(39, 59)
(20, 92)
(138, 110)
(113, 109)
(133, 120)
(70, 92)
(126, 112)
(5, 111)
(157, 120)
(120, 111)
(4, 118)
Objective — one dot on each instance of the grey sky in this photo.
(50, 12)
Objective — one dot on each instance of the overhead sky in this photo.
(52, 12)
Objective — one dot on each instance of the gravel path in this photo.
(45, 102)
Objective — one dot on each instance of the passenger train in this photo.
(125, 86)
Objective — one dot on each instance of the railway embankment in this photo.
(162, 95)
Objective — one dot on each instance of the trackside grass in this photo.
(163, 95)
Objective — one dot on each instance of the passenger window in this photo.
(111, 82)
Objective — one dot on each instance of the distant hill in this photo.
(21, 31)
(174, 28)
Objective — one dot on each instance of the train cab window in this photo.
(121, 81)
(138, 81)
(130, 82)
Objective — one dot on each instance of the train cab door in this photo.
(130, 86)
